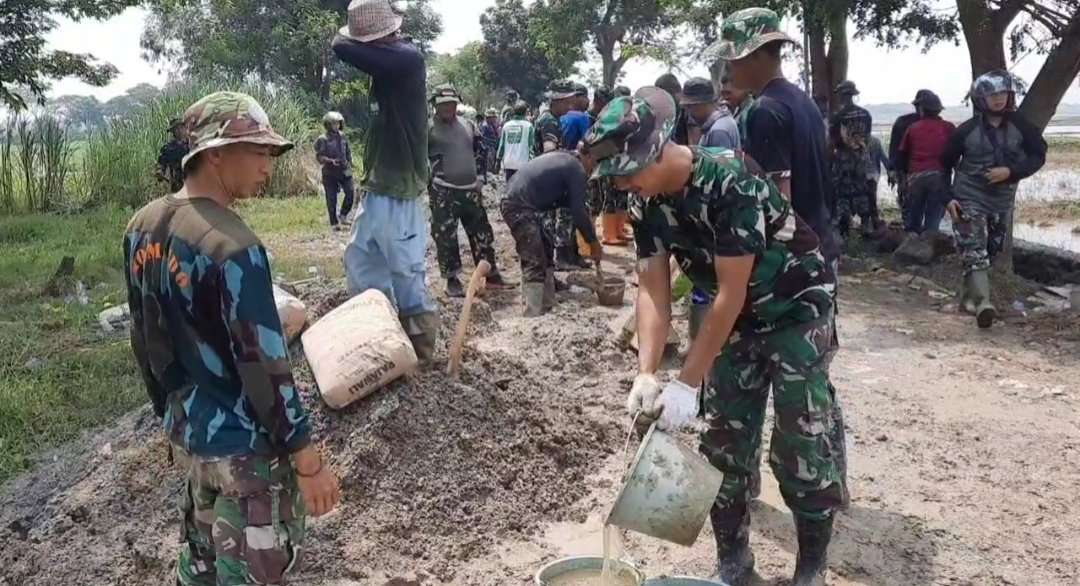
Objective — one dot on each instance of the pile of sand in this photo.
(433, 472)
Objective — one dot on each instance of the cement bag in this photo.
(358, 348)
(291, 311)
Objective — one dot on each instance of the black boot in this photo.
(811, 562)
(734, 560)
(577, 260)
(454, 288)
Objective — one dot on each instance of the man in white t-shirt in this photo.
(516, 140)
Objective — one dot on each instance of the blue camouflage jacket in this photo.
(206, 333)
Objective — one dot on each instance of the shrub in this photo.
(35, 160)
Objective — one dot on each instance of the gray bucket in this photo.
(586, 562)
(681, 581)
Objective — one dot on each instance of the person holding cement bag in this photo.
(736, 238)
(208, 340)
(387, 246)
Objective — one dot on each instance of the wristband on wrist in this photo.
(317, 470)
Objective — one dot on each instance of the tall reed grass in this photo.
(43, 169)
(35, 160)
(118, 160)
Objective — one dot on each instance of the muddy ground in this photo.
(964, 447)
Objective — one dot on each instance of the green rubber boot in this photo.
(980, 296)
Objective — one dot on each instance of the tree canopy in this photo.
(512, 55)
(28, 66)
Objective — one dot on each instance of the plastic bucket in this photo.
(610, 293)
(681, 581)
(668, 491)
(623, 570)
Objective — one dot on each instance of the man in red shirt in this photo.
(920, 160)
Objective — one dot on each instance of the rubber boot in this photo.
(423, 332)
(624, 226)
(551, 284)
(964, 295)
(731, 529)
(613, 230)
(838, 443)
(532, 297)
(496, 282)
(454, 288)
(980, 296)
(812, 560)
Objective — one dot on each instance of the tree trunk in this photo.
(837, 56)
(820, 78)
(1054, 78)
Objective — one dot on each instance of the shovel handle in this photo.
(458, 344)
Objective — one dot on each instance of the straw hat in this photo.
(370, 20)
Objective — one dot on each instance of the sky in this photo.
(882, 75)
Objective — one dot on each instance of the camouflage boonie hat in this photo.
(846, 88)
(560, 90)
(746, 31)
(490, 112)
(629, 132)
(224, 118)
(445, 94)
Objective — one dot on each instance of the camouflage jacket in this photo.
(729, 210)
(548, 129)
(206, 333)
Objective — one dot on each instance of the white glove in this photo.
(680, 406)
(643, 394)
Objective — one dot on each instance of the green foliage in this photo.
(465, 71)
(286, 42)
(35, 160)
(514, 56)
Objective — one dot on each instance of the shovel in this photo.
(475, 282)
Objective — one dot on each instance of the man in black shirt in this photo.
(899, 128)
(170, 155)
(551, 181)
(849, 134)
(785, 135)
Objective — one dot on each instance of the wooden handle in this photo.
(456, 346)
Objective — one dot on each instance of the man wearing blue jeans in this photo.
(387, 246)
(334, 155)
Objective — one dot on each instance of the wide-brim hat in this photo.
(224, 118)
(696, 91)
(744, 32)
(629, 133)
(370, 20)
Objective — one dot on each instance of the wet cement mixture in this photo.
(965, 454)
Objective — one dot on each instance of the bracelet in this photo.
(315, 473)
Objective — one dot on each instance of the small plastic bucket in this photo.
(610, 293)
(668, 491)
(622, 569)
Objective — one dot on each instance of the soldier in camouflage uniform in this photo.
(170, 155)
(559, 223)
(455, 192)
(740, 102)
(209, 344)
(736, 237)
(850, 131)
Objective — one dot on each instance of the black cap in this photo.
(930, 102)
(581, 90)
(698, 90)
(920, 96)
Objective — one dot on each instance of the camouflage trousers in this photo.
(448, 207)
(614, 200)
(243, 521)
(794, 362)
(560, 227)
(852, 195)
(531, 240)
(980, 238)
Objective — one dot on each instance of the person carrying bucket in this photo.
(737, 239)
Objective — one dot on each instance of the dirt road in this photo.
(965, 455)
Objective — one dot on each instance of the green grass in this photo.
(60, 375)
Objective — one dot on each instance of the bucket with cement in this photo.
(668, 491)
(610, 292)
(587, 570)
(681, 581)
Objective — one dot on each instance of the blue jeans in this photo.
(387, 250)
(926, 192)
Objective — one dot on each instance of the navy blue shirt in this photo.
(786, 136)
